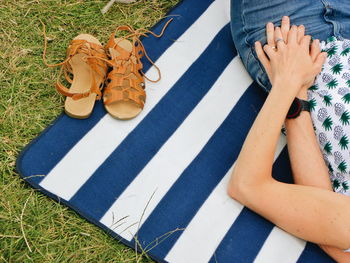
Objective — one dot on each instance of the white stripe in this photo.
(93, 149)
(178, 152)
(280, 247)
(208, 227)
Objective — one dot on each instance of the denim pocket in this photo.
(257, 71)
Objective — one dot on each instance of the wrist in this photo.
(302, 94)
(286, 87)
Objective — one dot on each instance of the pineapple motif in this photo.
(346, 98)
(314, 87)
(342, 167)
(331, 82)
(343, 143)
(322, 138)
(336, 69)
(327, 146)
(323, 92)
(340, 137)
(346, 44)
(330, 168)
(325, 158)
(336, 184)
(326, 120)
(338, 180)
(312, 104)
(345, 93)
(332, 51)
(346, 76)
(345, 52)
(331, 39)
(338, 157)
(326, 78)
(327, 99)
(345, 186)
(334, 62)
(344, 114)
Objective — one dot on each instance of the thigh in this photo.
(339, 15)
(249, 17)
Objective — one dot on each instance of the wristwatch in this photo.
(298, 105)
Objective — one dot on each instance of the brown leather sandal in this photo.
(86, 63)
(124, 96)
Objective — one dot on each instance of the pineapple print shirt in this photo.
(329, 100)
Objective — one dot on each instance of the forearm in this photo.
(308, 165)
(305, 155)
(257, 153)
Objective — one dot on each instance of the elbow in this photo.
(243, 186)
(235, 185)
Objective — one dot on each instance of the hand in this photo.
(292, 60)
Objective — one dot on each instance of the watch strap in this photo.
(305, 105)
(298, 105)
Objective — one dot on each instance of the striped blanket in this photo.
(161, 178)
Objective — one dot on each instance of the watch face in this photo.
(294, 109)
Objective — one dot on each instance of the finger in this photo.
(278, 33)
(292, 35)
(305, 41)
(320, 59)
(285, 26)
(270, 34)
(269, 51)
(262, 57)
(315, 49)
(278, 36)
(301, 32)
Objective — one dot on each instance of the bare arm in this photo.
(304, 151)
(308, 165)
(291, 68)
(260, 144)
(305, 155)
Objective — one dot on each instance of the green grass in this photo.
(34, 228)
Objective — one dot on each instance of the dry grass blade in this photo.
(29, 103)
(22, 228)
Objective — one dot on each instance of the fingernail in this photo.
(285, 18)
(269, 24)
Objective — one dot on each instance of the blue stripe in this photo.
(196, 183)
(137, 149)
(244, 240)
(54, 143)
(249, 232)
(313, 253)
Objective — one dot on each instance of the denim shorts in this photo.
(321, 18)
